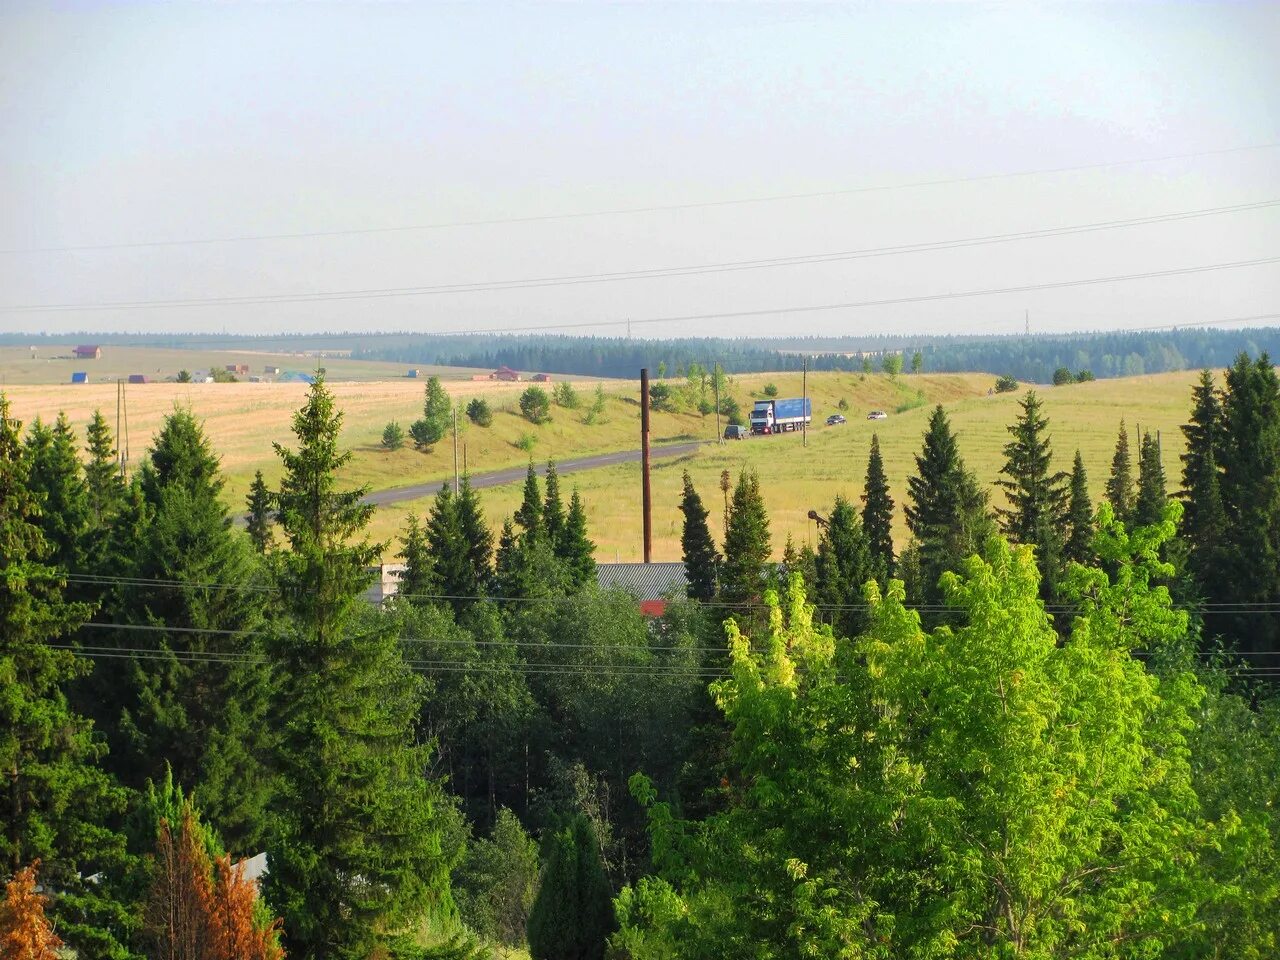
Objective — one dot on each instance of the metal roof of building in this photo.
(647, 581)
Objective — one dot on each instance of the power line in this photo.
(656, 273)
(848, 305)
(661, 208)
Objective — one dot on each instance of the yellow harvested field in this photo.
(243, 420)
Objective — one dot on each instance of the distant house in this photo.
(506, 374)
(138, 378)
(91, 352)
(80, 377)
(271, 371)
(413, 374)
(652, 584)
(237, 368)
(542, 378)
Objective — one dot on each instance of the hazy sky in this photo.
(137, 124)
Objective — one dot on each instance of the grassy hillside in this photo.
(244, 419)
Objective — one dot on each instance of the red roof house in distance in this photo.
(542, 378)
(91, 352)
(505, 373)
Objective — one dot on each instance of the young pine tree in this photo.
(844, 565)
(1149, 504)
(259, 521)
(446, 546)
(529, 513)
(1037, 494)
(1204, 520)
(701, 558)
(747, 545)
(56, 800)
(572, 914)
(476, 534)
(552, 506)
(1119, 489)
(417, 579)
(1078, 547)
(574, 548)
(55, 477)
(946, 512)
(356, 850)
(877, 513)
(104, 485)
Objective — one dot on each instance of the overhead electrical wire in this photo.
(656, 273)
(625, 211)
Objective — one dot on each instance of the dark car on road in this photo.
(834, 419)
(736, 432)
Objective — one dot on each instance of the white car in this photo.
(877, 415)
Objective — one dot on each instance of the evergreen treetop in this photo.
(529, 513)
(575, 549)
(260, 514)
(1119, 489)
(877, 512)
(844, 565)
(1078, 547)
(1037, 495)
(698, 549)
(552, 506)
(747, 543)
(1149, 504)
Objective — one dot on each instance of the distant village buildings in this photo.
(90, 352)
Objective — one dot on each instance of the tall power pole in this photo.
(644, 464)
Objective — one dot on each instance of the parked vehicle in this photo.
(877, 415)
(834, 419)
(781, 416)
(735, 431)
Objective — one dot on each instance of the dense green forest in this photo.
(1042, 727)
(1034, 359)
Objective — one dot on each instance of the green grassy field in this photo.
(244, 419)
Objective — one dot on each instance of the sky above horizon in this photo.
(435, 146)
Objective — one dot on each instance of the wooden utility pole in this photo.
(455, 451)
(715, 383)
(644, 464)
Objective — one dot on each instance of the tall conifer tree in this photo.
(55, 799)
(1037, 494)
(947, 510)
(259, 519)
(417, 577)
(446, 546)
(1204, 519)
(572, 914)
(476, 534)
(1119, 489)
(1149, 504)
(55, 476)
(697, 548)
(356, 853)
(529, 513)
(1079, 522)
(747, 545)
(844, 565)
(553, 506)
(104, 485)
(576, 549)
(877, 512)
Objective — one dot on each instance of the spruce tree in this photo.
(184, 567)
(572, 914)
(844, 565)
(529, 513)
(55, 477)
(1037, 494)
(877, 513)
(356, 849)
(416, 579)
(259, 520)
(476, 535)
(1204, 519)
(552, 506)
(1079, 521)
(1119, 489)
(946, 513)
(575, 547)
(747, 545)
(450, 559)
(701, 559)
(105, 487)
(1149, 504)
(56, 800)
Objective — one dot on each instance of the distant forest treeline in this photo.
(1028, 358)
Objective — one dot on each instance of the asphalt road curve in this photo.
(499, 477)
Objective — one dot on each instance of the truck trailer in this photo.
(781, 416)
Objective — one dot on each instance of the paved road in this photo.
(498, 477)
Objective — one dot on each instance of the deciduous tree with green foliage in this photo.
(698, 549)
(355, 855)
(535, 405)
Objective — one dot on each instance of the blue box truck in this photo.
(781, 416)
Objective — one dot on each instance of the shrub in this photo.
(565, 396)
(661, 397)
(916, 401)
(596, 409)
(1006, 384)
(892, 364)
(1084, 376)
(392, 436)
(526, 441)
(843, 404)
(535, 405)
(770, 389)
(424, 437)
(184, 376)
(478, 412)
(1062, 376)
(729, 407)
(223, 376)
